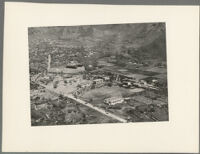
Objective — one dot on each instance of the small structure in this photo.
(72, 64)
(126, 84)
(143, 82)
(67, 76)
(85, 84)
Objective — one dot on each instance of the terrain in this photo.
(136, 42)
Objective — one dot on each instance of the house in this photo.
(72, 64)
(106, 78)
(86, 85)
(67, 76)
(98, 83)
(143, 82)
(126, 84)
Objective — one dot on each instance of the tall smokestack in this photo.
(49, 62)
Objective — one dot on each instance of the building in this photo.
(106, 78)
(98, 83)
(86, 84)
(49, 63)
(73, 67)
(67, 76)
(67, 70)
(72, 64)
(114, 100)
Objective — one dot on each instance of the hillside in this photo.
(143, 40)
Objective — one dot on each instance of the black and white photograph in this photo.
(97, 74)
(100, 78)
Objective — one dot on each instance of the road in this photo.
(86, 104)
(97, 109)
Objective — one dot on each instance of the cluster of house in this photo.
(89, 54)
(97, 80)
(88, 85)
(73, 64)
(129, 81)
(140, 84)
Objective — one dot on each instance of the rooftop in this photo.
(67, 70)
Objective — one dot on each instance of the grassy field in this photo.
(158, 70)
(105, 92)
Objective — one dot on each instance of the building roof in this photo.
(98, 80)
(67, 70)
(114, 99)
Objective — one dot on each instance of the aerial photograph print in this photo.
(98, 74)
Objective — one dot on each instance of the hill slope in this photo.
(142, 39)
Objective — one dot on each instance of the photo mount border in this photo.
(101, 2)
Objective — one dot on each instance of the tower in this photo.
(49, 63)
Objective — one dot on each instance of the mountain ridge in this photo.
(108, 38)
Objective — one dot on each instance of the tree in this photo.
(84, 76)
(109, 84)
(90, 100)
(93, 86)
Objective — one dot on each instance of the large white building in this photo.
(114, 100)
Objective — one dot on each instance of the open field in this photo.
(105, 92)
(157, 69)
